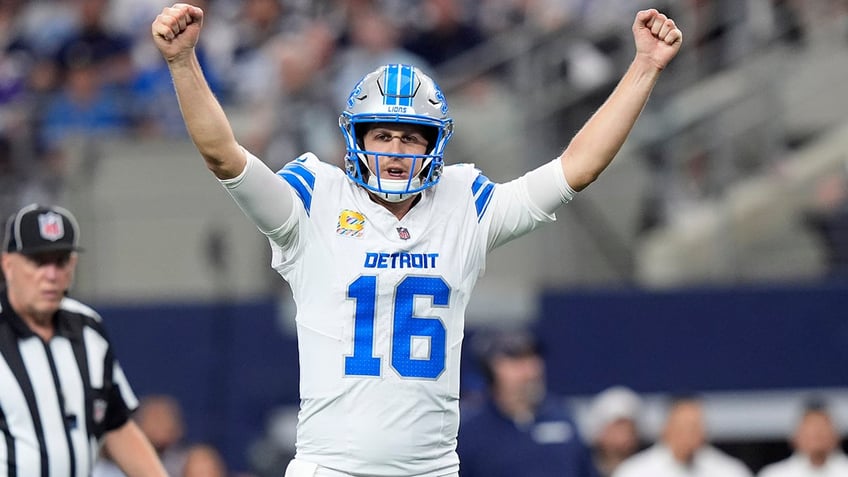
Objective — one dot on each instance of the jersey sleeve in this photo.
(111, 399)
(519, 206)
(120, 400)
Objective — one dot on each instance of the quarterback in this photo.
(383, 255)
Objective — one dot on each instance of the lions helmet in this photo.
(396, 93)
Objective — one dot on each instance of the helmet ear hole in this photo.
(431, 135)
(359, 133)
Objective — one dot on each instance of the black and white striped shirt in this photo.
(57, 398)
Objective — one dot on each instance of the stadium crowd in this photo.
(73, 72)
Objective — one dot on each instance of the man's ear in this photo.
(4, 266)
(73, 265)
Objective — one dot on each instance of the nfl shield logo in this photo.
(403, 233)
(98, 410)
(50, 226)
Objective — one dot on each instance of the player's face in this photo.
(395, 139)
(37, 283)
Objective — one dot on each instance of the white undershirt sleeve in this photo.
(262, 195)
(521, 205)
(548, 188)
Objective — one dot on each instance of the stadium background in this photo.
(690, 266)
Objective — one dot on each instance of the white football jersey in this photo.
(380, 312)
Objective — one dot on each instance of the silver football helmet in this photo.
(396, 93)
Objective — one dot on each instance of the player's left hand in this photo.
(657, 37)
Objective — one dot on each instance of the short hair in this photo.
(510, 342)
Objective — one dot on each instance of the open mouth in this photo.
(396, 173)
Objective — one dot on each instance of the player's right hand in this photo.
(657, 37)
(176, 30)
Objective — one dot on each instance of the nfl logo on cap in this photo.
(50, 226)
(41, 229)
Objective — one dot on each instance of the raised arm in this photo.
(592, 149)
(175, 32)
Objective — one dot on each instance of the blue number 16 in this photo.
(405, 326)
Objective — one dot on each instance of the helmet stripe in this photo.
(400, 85)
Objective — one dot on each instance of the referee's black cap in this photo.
(39, 228)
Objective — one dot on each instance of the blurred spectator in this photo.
(259, 25)
(817, 448)
(12, 65)
(683, 450)
(444, 30)
(373, 38)
(828, 218)
(152, 90)
(30, 173)
(84, 107)
(160, 418)
(203, 460)
(95, 72)
(276, 447)
(282, 57)
(8, 179)
(95, 41)
(297, 113)
(39, 28)
(718, 34)
(613, 427)
(520, 430)
(789, 21)
(497, 16)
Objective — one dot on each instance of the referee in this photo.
(62, 391)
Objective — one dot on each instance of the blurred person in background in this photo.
(160, 418)
(151, 89)
(259, 26)
(95, 74)
(816, 445)
(447, 31)
(373, 38)
(521, 430)
(683, 450)
(296, 114)
(203, 460)
(97, 38)
(613, 427)
(827, 218)
(63, 393)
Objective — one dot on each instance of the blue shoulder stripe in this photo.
(482, 189)
(302, 180)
